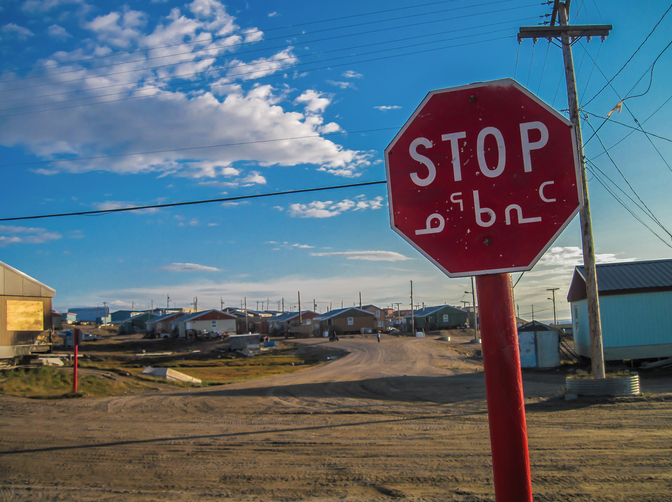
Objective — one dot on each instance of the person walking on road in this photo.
(378, 336)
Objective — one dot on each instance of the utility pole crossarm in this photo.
(574, 31)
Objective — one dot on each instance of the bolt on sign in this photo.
(483, 178)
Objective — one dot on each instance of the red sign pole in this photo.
(504, 387)
(76, 344)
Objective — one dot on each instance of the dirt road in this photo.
(404, 419)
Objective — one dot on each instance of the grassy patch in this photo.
(50, 382)
(211, 368)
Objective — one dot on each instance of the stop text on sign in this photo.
(484, 216)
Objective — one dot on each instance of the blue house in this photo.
(635, 307)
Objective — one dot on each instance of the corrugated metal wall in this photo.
(637, 320)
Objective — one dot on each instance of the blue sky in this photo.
(104, 105)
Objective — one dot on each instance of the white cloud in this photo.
(287, 245)
(352, 74)
(15, 31)
(58, 32)
(118, 29)
(189, 267)
(254, 178)
(315, 101)
(342, 85)
(250, 123)
(366, 255)
(10, 234)
(273, 14)
(33, 6)
(327, 209)
(261, 67)
(386, 108)
(569, 257)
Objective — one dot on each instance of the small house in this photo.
(292, 322)
(379, 313)
(439, 317)
(635, 305)
(136, 323)
(25, 314)
(91, 314)
(208, 320)
(164, 323)
(345, 320)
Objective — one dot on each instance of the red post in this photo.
(504, 387)
(76, 344)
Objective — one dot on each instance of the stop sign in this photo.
(482, 178)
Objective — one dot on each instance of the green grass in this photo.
(50, 382)
(212, 369)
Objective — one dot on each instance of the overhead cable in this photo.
(191, 203)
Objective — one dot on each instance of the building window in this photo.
(214, 324)
(380, 324)
(445, 317)
(377, 313)
(351, 321)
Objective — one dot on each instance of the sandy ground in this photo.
(404, 419)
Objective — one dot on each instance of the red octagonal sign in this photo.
(482, 178)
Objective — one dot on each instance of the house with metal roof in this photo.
(209, 320)
(346, 320)
(292, 322)
(439, 317)
(636, 309)
(25, 314)
(164, 323)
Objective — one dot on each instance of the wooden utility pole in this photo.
(567, 35)
(300, 320)
(412, 312)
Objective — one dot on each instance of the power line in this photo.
(412, 53)
(192, 148)
(638, 129)
(271, 39)
(630, 58)
(264, 30)
(232, 76)
(621, 202)
(648, 210)
(192, 203)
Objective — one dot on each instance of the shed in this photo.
(539, 345)
(208, 320)
(248, 341)
(346, 320)
(636, 309)
(439, 317)
(25, 314)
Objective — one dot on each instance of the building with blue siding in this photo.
(635, 306)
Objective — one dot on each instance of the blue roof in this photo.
(630, 277)
(286, 316)
(427, 311)
(337, 312)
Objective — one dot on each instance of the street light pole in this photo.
(555, 318)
